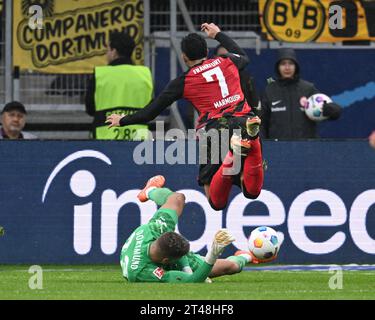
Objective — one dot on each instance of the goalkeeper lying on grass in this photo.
(155, 253)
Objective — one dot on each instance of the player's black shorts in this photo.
(216, 150)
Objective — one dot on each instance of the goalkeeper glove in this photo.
(222, 239)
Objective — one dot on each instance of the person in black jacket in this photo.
(282, 115)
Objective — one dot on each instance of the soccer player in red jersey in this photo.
(214, 89)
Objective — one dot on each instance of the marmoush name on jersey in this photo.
(223, 102)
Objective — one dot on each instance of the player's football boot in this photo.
(240, 146)
(156, 181)
(252, 126)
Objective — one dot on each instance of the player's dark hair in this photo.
(122, 42)
(194, 46)
(172, 245)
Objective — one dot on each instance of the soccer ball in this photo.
(264, 243)
(314, 106)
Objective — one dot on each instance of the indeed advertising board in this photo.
(75, 202)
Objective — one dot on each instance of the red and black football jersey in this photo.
(213, 87)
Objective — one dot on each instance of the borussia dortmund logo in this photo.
(294, 20)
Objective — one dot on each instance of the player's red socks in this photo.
(253, 171)
(221, 184)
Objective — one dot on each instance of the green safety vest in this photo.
(122, 89)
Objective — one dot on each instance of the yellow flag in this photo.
(73, 34)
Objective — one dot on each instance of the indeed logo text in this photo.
(83, 185)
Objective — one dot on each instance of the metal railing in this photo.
(42, 91)
(239, 15)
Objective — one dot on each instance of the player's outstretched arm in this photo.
(170, 94)
(236, 53)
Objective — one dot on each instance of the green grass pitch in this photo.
(106, 282)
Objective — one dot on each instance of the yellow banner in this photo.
(73, 34)
(317, 20)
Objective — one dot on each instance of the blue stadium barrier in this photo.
(74, 202)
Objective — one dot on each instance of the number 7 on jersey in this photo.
(208, 75)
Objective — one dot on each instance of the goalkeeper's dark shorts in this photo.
(217, 149)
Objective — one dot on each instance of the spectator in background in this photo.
(282, 115)
(247, 83)
(121, 88)
(13, 120)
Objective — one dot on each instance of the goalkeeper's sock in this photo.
(158, 195)
(253, 170)
(240, 260)
(221, 185)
